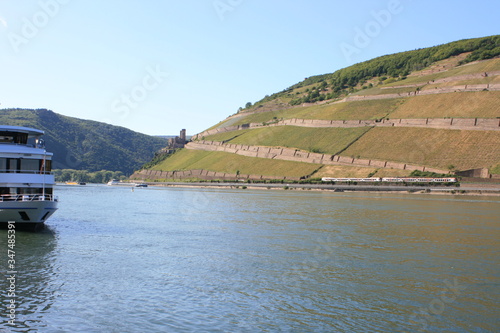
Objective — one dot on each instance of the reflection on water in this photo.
(36, 281)
(190, 260)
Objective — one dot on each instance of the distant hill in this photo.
(429, 110)
(85, 144)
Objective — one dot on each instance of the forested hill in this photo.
(394, 67)
(84, 144)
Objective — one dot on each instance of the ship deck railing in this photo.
(32, 172)
(27, 197)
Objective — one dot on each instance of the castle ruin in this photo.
(174, 143)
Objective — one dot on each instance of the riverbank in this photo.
(464, 189)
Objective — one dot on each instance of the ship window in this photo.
(31, 190)
(48, 166)
(8, 137)
(12, 165)
(24, 216)
(4, 138)
(45, 216)
(28, 190)
(21, 138)
(30, 165)
(3, 164)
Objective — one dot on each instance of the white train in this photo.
(392, 180)
(372, 179)
(420, 180)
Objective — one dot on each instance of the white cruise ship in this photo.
(26, 183)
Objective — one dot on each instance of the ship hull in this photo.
(26, 212)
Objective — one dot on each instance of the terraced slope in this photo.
(484, 104)
(440, 118)
(317, 140)
(236, 164)
(433, 147)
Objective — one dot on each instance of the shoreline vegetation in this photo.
(85, 176)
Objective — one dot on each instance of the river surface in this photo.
(233, 260)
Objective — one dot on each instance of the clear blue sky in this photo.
(158, 66)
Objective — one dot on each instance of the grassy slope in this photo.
(484, 104)
(495, 169)
(349, 111)
(231, 163)
(473, 68)
(320, 140)
(340, 111)
(432, 147)
(359, 172)
(385, 91)
(344, 171)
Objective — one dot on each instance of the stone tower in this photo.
(183, 135)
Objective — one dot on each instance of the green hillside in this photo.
(84, 144)
(317, 140)
(395, 66)
(221, 162)
(434, 109)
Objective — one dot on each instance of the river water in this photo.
(233, 260)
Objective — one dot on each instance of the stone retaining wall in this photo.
(482, 124)
(475, 173)
(291, 154)
(200, 174)
(431, 91)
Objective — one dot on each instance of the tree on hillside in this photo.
(396, 66)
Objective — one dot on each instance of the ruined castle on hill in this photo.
(175, 143)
